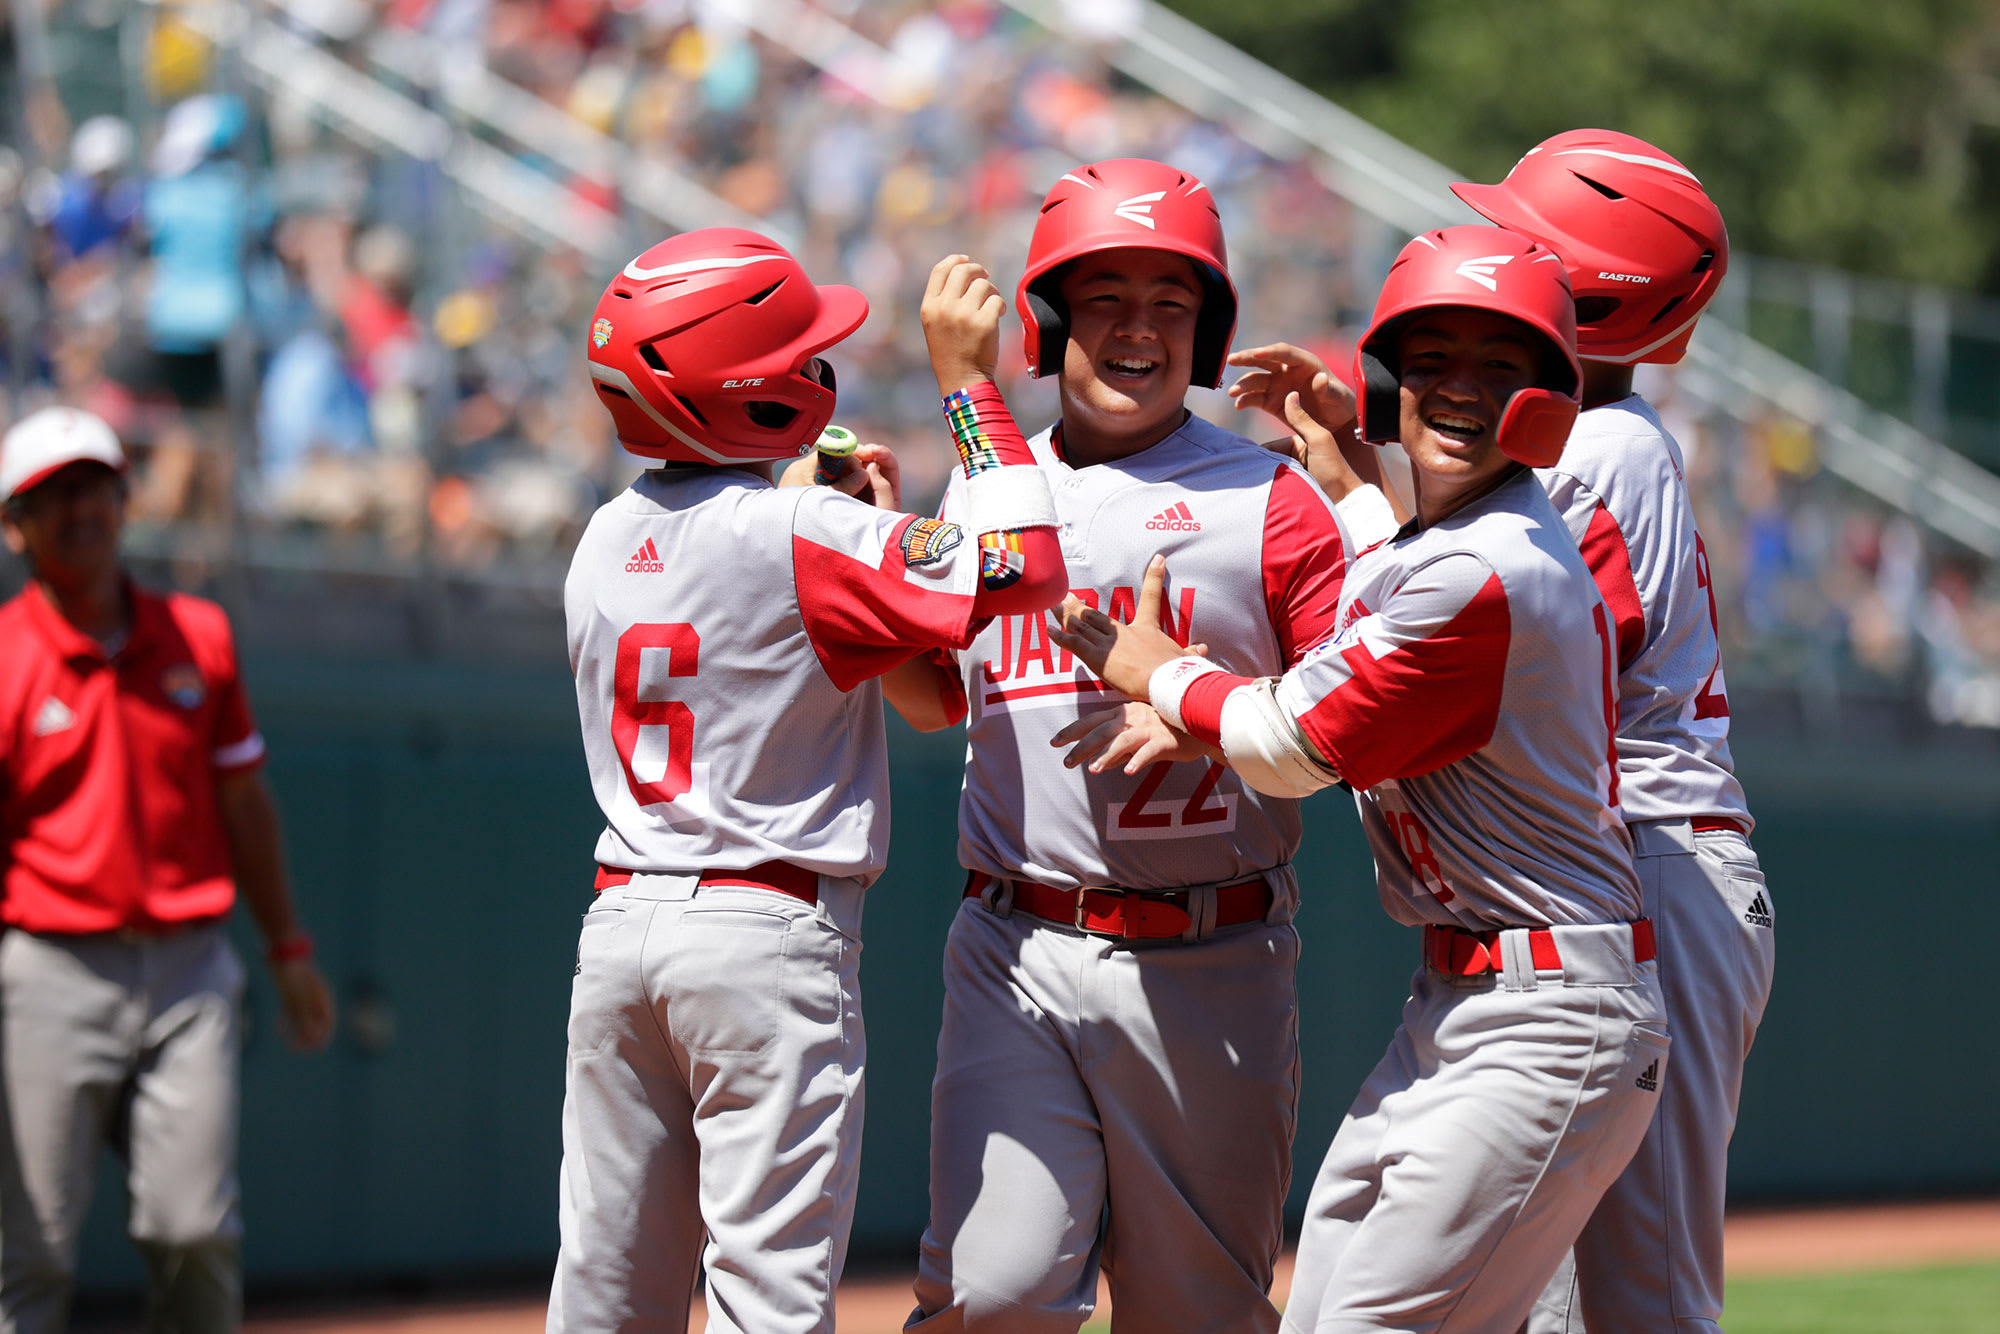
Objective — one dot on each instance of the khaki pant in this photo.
(1479, 1145)
(714, 1090)
(1102, 1103)
(131, 1042)
(1650, 1259)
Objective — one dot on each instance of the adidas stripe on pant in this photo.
(1650, 1259)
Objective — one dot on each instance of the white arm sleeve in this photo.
(1265, 747)
(1016, 497)
(1169, 684)
(1367, 515)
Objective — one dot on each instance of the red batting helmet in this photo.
(1126, 203)
(705, 349)
(1644, 244)
(1487, 269)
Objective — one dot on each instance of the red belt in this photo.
(1129, 914)
(1463, 953)
(781, 877)
(1704, 823)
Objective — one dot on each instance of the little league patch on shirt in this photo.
(928, 541)
(182, 684)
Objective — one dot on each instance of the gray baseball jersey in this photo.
(705, 606)
(1255, 556)
(724, 636)
(1622, 493)
(1467, 699)
(1650, 1258)
(1080, 1078)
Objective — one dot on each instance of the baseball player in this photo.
(1467, 699)
(1646, 250)
(133, 808)
(724, 635)
(1118, 1064)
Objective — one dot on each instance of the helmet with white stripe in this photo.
(1644, 244)
(1126, 203)
(705, 349)
(1498, 272)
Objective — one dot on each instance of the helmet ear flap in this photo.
(1379, 406)
(1049, 327)
(1535, 426)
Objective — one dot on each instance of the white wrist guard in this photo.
(1000, 499)
(1263, 744)
(1169, 683)
(1368, 517)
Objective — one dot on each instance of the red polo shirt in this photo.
(108, 767)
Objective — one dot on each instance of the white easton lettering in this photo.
(1624, 277)
(1481, 270)
(1139, 209)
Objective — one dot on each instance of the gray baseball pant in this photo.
(714, 1088)
(1650, 1259)
(1103, 1103)
(1479, 1145)
(130, 1041)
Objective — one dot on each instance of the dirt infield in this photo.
(1758, 1243)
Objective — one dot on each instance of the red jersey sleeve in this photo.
(1610, 561)
(234, 741)
(1414, 686)
(873, 585)
(1306, 552)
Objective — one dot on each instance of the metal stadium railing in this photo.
(1387, 178)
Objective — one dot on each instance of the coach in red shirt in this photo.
(132, 807)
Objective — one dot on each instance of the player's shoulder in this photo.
(1625, 438)
(1217, 456)
(198, 624)
(14, 612)
(17, 629)
(1515, 528)
(204, 623)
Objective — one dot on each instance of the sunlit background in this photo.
(327, 265)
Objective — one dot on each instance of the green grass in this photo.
(1952, 1299)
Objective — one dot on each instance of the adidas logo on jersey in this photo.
(1174, 519)
(1759, 912)
(54, 716)
(1649, 1079)
(646, 560)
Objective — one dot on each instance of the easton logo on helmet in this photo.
(1624, 278)
(927, 541)
(1481, 270)
(600, 333)
(1139, 209)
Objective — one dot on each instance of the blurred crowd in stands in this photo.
(311, 345)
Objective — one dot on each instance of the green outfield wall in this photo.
(440, 830)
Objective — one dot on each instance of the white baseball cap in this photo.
(54, 438)
(102, 143)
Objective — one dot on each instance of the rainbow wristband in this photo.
(980, 426)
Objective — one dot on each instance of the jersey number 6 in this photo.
(629, 713)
